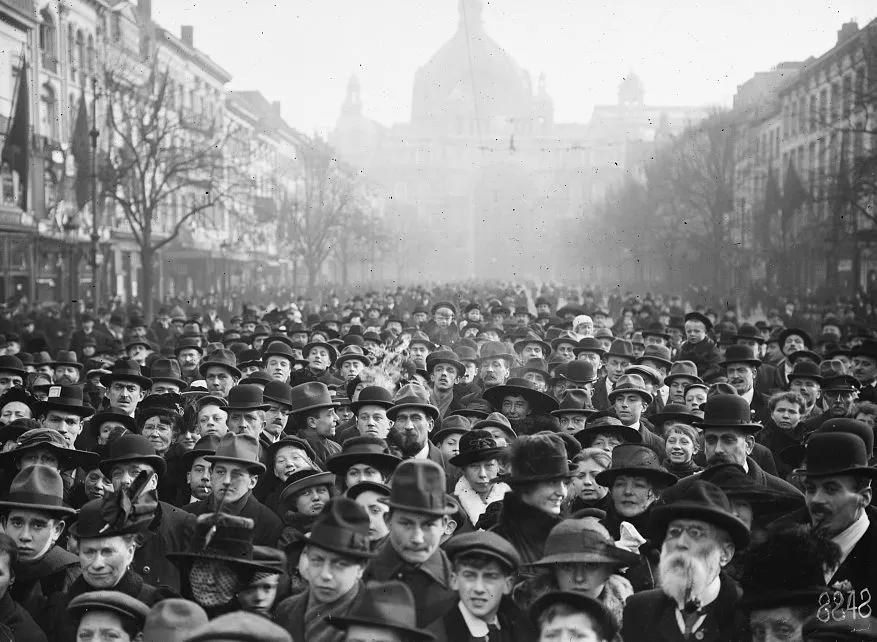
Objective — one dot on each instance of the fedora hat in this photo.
(332, 350)
(279, 392)
(748, 332)
(188, 343)
(576, 402)
(126, 370)
(224, 538)
(589, 344)
(466, 353)
(684, 368)
(207, 445)
(728, 411)
(66, 358)
(532, 337)
(583, 540)
(645, 372)
(352, 353)
(477, 408)
(788, 332)
(418, 485)
(496, 420)
(676, 412)
(621, 348)
(540, 403)
(114, 601)
(37, 488)
(11, 363)
(311, 396)
(173, 620)
(451, 425)
(372, 396)
(444, 356)
(867, 348)
(54, 442)
(835, 453)
(805, 369)
(606, 424)
(702, 501)
(579, 372)
(495, 350)
(412, 396)
(631, 383)
(476, 445)
(131, 447)
(637, 461)
(240, 449)
(385, 605)
(537, 366)
(740, 354)
(658, 353)
(249, 357)
(539, 457)
(65, 399)
(364, 449)
(260, 377)
(221, 358)
(246, 396)
(418, 336)
(167, 370)
(599, 615)
(278, 349)
(656, 329)
(565, 337)
(697, 316)
(342, 527)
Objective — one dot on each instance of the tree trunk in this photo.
(147, 281)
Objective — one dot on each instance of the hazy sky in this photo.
(303, 52)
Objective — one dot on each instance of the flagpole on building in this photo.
(95, 232)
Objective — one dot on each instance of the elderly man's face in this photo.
(834, 502)
(692, 556)
(727, 446)
(494, 372)
(9, 379)
(414, 425)
(840, 402)
(781, 623)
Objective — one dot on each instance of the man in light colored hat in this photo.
(630, 398)
(234, 474)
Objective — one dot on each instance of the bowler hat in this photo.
(574, 401)
(364, 449)
(630, 383)
(703, 501)
(240, 449)
(540, 403)
(636, 461)
(835, 453)
(188, 343)
(589, 344)
(37, 488)
(66, 358)
(451, 425)
(788, 332)
(278, 349)
(598, 614)
(621, 348)
(385, 605)
(728, 411)
(740, 354)
(352, 353)
(676, 412)
(476, 445)
(697, 316)
(486, 544)
(583, 540)
(221, 358)
(749, 332)
(444, 356)
(126, 370)
(565, 337)
(579, 372)
(804, 355)
(114, 601)
(246, 396)
(852, 426)
(607, 424)
(131, 447)
(65, 399)
(279, 392)
(167, 370)
(173, 620)
(312, 395)
(684, 368)
(342, 527)
(418, 485)
(412, 396)
(532, 337)
(224, 538)
(867, 348)
(372, 396)
(805, 369)
(11, 363)
(539, 457)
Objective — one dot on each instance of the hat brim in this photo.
(663, 515)
(749, 429)
(645, 394)
(140, 380)
(352, 357)
(589, 433)
(320, 479)
(449, 508)
(679, 375)
(202, 369)
(539, 401)
(409, 633)
(472, 456)
(156, 461)
(394, 410)
(660, 478)
(68, 458)
(430, 364)
(247, 463)
(661, 417)
(44, 508)
(316, 406)
(182, 556)
(182, 384)
(865, 471)
(618, 557)
(752, 362)
(340, 463)
(511, 478)
(82, 411)
(261, 406)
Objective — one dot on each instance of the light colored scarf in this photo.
(472, 502)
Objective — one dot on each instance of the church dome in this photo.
(471, 78)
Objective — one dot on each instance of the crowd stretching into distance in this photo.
(498, 464)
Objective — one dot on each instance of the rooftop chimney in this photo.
(145, 7)
(187, 33)
(847, 31)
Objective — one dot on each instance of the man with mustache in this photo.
(277, 395)
(839, 395)
(700, 536)
(741, 367)
(494, 367)
(413, 419)
(444, 370)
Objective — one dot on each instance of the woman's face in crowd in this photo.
(631, 496)
(680, 448)
(786, 415)
(584, 484)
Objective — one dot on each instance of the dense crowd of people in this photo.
(449, 464)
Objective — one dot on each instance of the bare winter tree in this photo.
(161, 155)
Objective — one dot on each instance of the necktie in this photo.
(493, 633)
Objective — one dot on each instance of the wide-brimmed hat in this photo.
(594, 609)
(11, 363)
(352, 353)
(676, 412)
(167, 370)
(418, 485)
(385, 605)
(65, 399)
(131, 447)
(279, 392)
(740, 354)
(205, 446)
(540, 403)
(114, 601)
(364, 449)
(656, 329)
(607, 424)
(703, 501)
(621, 348)
(728, 411)
(173, 620)
(476, 445)
(787, 332)
(332, 350)
(633, 384)
(312, 395)
(835, 453)
(342, 528)
(451, 425)
(54, 442)
(240, 449)
(697, 316)
(496, 420)
(37, 488)
(684, 368)
(223, 538)
(412, 396)
(444, 356)
(246, 396)
(635, 460)
(221, 358)
(583, 540)
(66, 358)
(575, 401)
(126, 370)
(579, 372)
(188, 343)
(539, 457)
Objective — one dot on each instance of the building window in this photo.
(71, 51)
(47, 38)
(80, 55)
(7, 180)
(116, 27)
(50, 187)
(48, 113)
(90, 60)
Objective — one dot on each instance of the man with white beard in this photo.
(696, 600)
